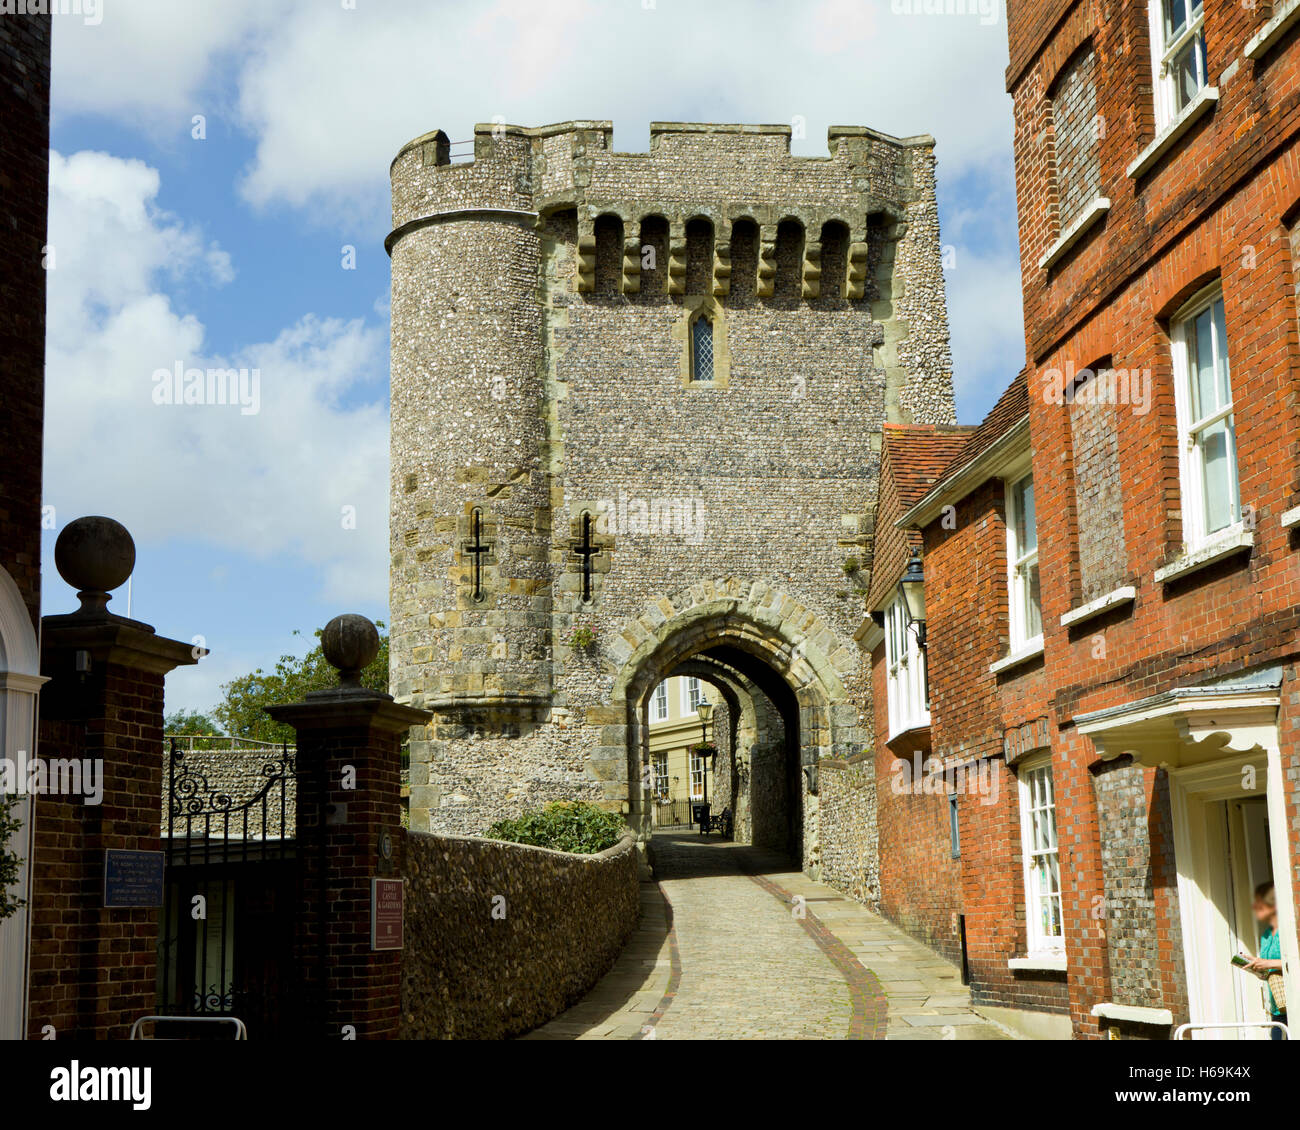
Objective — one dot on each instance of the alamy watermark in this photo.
(684, 518)
(179, 385)
(58, 776)
(1129, 387)
(985, 10)
(930, 777)
(90, 11)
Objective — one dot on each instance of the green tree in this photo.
(190, 724)
(10, 862)
(242, 710)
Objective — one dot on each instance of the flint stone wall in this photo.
(468, 975)
(847, 827)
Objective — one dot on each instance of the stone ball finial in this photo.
(350, 643)
(94, 555)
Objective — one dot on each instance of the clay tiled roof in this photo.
(912, 459)
(959, 477)
(1011, 408)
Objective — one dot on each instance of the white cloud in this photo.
(268, 484)
(984, 314)
(151, 60)
(329, 93)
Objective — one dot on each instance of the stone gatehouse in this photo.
(637, 402)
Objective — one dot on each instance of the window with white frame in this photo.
(1026, 619)
(659, 704)
(1043, 924)
(692, 694)
(1177, 56)
(660, 783)
(905, 672)
(1207, 445)
(697, 777)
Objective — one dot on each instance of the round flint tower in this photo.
(470, 510)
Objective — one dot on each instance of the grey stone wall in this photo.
(1133, 877)
(539, 373)
(1074, 113)
(501, 938)
(847, 828)
(1098, 496)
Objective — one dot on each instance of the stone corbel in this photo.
(722, 268)
(677, 258)
(631, 280)
(586, 256)
(812, 269)
(766, 284)
(855, 279)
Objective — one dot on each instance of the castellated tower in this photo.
(636, 411)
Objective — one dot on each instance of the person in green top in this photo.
(1270, 948)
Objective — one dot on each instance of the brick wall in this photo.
(1221, 205)
(93, 969)
(24, 178)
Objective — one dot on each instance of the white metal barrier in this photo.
(241, 1032)
(1178, 1032)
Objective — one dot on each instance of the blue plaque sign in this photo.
(133, 878)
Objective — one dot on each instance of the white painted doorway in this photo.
(20, 682)
(1225, 848)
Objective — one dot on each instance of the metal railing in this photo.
(220, 743)
(186, 1023)
(1234, 1025)
(672, 813)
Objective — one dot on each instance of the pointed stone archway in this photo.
(742, 634)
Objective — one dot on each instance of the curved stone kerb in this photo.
(792, 638)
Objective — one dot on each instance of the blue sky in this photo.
(228, 249)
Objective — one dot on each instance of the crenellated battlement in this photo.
(701, 189)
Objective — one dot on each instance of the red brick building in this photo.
(1111, 562)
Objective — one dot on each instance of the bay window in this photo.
(905, 672)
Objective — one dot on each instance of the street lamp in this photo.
(705, 711)
(911, 590)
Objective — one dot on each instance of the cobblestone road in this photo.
(733, 944)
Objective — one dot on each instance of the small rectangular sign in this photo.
(387, 899)
(133, 878)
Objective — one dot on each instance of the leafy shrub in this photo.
(10, 863)
(572, 826)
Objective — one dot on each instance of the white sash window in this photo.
(1025, 601)
(1045, 933)
(1177, 55)
(1207, 436)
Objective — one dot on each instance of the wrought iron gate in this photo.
(233, 888)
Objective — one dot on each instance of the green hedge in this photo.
(572, 826)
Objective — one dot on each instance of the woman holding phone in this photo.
(1269, 961)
